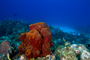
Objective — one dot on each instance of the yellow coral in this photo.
(68, 48)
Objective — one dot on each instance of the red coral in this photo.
(38, 26)
(36, 42)
(28, 53)
(21, 48)
(46, 49)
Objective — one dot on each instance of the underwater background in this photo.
(56, 12)
(68, 22)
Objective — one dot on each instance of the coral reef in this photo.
(36, 42)
(11, 29)
(75, 52)
(73, 38)
(81, 50)
(47, 57)
(65, 54)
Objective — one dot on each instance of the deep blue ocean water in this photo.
(72, 13)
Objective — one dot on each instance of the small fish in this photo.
(15, 14)
(64, 39)
(65, 42)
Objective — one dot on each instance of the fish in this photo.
(15, 14)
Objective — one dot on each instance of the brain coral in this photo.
(36, 42)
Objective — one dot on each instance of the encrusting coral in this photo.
(36, 42)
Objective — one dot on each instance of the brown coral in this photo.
(36, 42)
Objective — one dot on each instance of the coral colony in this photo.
(37, 43)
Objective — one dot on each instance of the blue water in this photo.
(70, 13)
